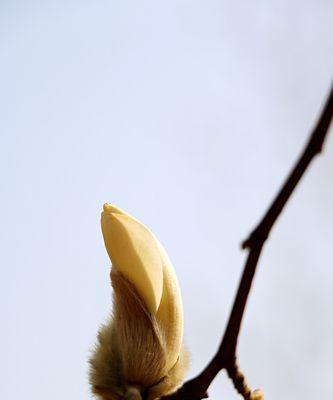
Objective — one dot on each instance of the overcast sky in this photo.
(188, 115)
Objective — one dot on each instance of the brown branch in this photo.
(225, 358)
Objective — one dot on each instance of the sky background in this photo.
(188, 115)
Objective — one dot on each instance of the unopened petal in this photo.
(170, 311)
(134, 252)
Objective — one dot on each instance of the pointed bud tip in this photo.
(107, 207)
(112, 209)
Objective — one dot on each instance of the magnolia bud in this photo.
(140, 349)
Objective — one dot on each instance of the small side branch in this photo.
(226, 356)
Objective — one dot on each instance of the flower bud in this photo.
(142, 343)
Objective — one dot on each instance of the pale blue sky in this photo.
(187, 114)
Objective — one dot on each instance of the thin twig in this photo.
(225, 358)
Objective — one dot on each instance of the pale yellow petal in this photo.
(170, 311)
(134, 252)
